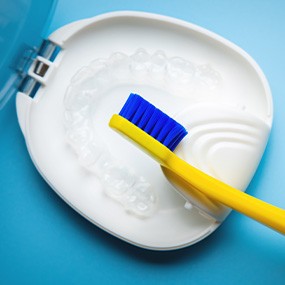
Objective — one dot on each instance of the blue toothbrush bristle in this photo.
(153, 121)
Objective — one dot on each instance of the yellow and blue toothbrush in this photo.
(158, 135)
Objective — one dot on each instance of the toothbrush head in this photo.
(153, 121)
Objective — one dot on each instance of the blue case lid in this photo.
(22, 26)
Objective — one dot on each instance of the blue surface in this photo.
(43, 241)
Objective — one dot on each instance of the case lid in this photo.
(22, 26)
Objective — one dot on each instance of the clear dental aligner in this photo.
(176, 75)
(120, 183)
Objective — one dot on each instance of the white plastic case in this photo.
(228, 120)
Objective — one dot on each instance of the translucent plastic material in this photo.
(175, 74)
(23, 26)
(86, 88)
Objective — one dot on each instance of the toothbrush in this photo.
(158, 135)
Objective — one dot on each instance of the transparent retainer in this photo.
(176, 75)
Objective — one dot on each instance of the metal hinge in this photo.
(39, 59)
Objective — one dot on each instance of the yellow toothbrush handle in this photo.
(259, 210)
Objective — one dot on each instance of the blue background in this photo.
(43, 241)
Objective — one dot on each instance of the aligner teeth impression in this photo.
(173, 74)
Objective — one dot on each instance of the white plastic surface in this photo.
(228, 122)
